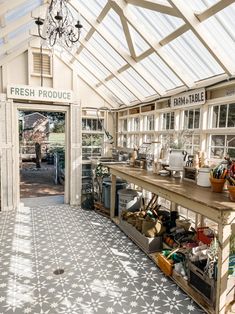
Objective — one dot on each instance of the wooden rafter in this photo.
(215, 8)
(128, 37)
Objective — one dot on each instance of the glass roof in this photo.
(112, 23)
(157, 24)
(161, 72)
(138, 49)
(192, 56)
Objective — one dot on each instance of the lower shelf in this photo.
(175, 277)
(183, 284)
(100, 209)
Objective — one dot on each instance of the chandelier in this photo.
(58, 27)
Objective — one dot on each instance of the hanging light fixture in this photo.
(59, 27)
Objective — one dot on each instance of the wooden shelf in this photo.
(100, 209)
(215, 206)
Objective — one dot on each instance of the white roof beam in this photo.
(103, 13)
(102, 31)
(155, 6)
(128, 37)
(178, 32)
(215, 8)
(203, 35)
(121, 7)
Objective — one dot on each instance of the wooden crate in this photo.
(148, 245)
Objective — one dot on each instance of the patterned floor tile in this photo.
(104, 272)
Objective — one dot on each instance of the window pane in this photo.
(231, 145)
(186, 119)
(83, 124)
(125, 125)
(168, 120)
(222, 116)
(172, 126)
(190, 119)
(150, 123)
(231, 116)
(217, 140)
(215, 116)
(197, 119)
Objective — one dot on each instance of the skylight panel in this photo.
(103, 89)
(161, 72)
(221, 28)
(93, 6)
(139, 43)
(113, 25)
(93, 63)
(117, 85)
(103, 47)
(85, 74)
(193, 57)
(157, 24)
(200, 5)
(22, 10)
(138, 82)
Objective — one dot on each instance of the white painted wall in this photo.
(89, 98)
(17, 70)
(63, 75)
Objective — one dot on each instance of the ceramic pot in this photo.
(203, 178)
(177, 159)
(217, 185)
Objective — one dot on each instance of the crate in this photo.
(201, 282)
(166, 265)
(148, 245)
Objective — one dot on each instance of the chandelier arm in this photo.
(40, 34)
(76, 40)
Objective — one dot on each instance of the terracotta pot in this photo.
(231, 189)
(217, 185)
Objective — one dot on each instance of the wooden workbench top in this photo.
(174, 186)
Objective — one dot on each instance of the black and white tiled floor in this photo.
(104, 271)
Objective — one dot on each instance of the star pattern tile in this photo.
(104, 272)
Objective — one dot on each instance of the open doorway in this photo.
(42, 153)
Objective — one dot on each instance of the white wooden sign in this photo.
(194, 97)
(27, 92)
